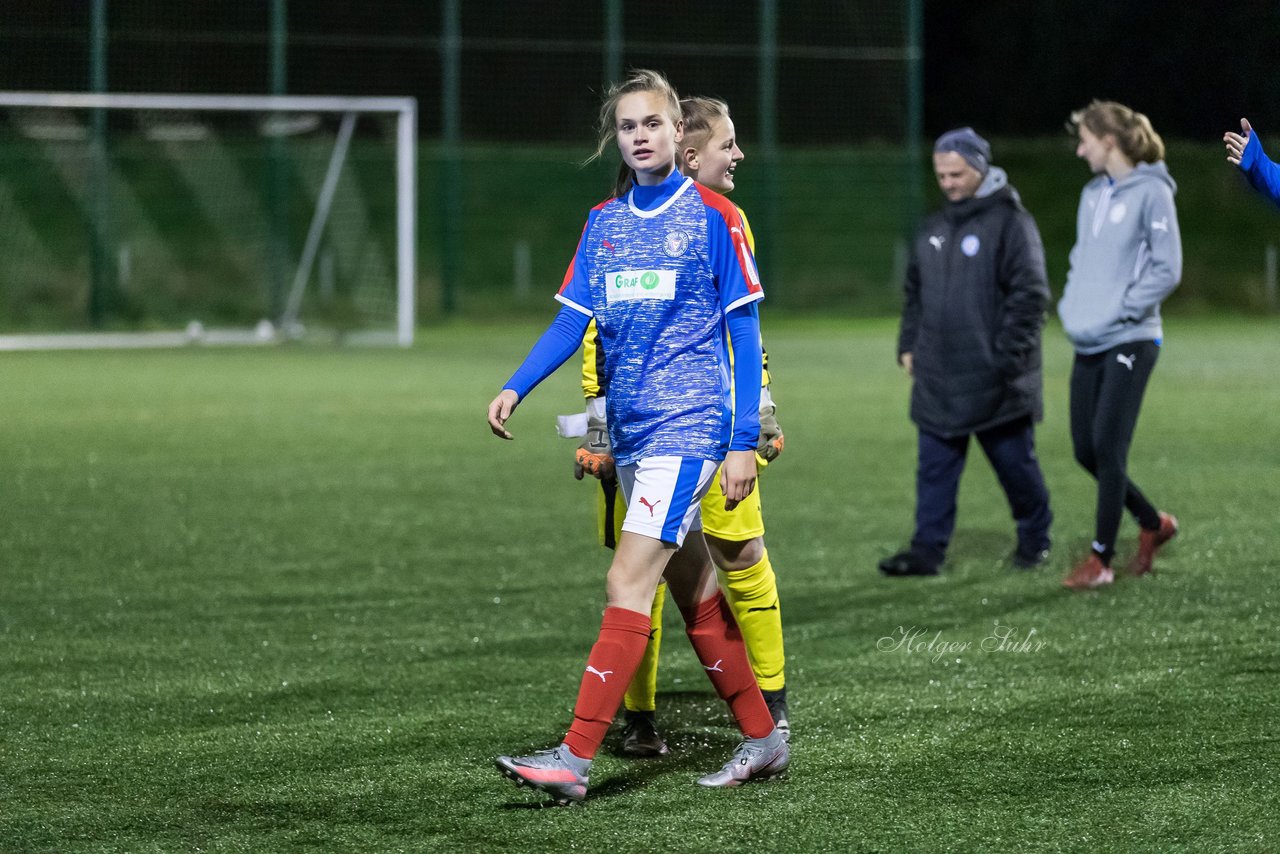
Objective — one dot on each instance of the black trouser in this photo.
(1012, 451)
(1106, 394)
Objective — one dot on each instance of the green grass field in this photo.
(299, 598)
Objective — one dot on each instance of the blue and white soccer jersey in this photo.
(659, 269)
(664, 495)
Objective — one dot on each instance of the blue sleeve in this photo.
(575, 290)
(1262, 173)
(561, 340)
(731, 260)
(744, 335)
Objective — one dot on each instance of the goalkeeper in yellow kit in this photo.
(709, 154)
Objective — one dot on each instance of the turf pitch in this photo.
(299, 598)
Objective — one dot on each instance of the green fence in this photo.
(826, 98)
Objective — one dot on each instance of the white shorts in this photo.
(663, 494)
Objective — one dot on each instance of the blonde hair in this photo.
(700, 116)
(640, 80)
(1132, 130)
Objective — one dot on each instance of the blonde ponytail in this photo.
(1132, 130)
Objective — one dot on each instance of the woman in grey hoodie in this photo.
(1126, 260)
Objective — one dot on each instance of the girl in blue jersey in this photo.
(709, 154)
(665, 270)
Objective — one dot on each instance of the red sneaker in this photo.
(1088, 574)
(1149, 542)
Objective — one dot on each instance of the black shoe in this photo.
(908, 563)
(1030, 559)
(777, 703)
(640, 737)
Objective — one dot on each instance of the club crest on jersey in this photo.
(676, 243)
(970, 245)
(624, 285)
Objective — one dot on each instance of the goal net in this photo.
(159, 220)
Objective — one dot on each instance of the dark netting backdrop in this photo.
(824, 94)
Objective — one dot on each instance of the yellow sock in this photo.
(752, 594)
(642, 693)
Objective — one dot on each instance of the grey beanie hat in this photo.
(975, 150)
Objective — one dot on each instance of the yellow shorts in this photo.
(744, 522)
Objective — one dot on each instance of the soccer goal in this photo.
(164, 220)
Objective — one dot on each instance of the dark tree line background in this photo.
(1009, 67)
(1017, 68)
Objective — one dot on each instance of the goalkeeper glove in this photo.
(595, 455)
(771, 439)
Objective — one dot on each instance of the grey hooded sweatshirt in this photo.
(1127, 259)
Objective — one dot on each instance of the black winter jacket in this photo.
(976, 293)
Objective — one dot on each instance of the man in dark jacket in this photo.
(976, 292)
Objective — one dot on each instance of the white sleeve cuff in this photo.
(766, 399)
(572, 426)
(563, 300)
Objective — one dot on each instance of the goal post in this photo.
(179, 187)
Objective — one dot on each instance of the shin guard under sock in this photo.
(642, 693)
(718, 645)
(610, 666)
(752, 594)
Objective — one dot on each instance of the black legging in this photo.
(1106, 394)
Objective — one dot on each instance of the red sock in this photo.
(610, 666)
(718, 645)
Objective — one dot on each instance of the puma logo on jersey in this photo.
(715, 668)
(1127, 361)
(1161, 224)
(651, 507)
(601, 674)
(936, 241)
(610, 247)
